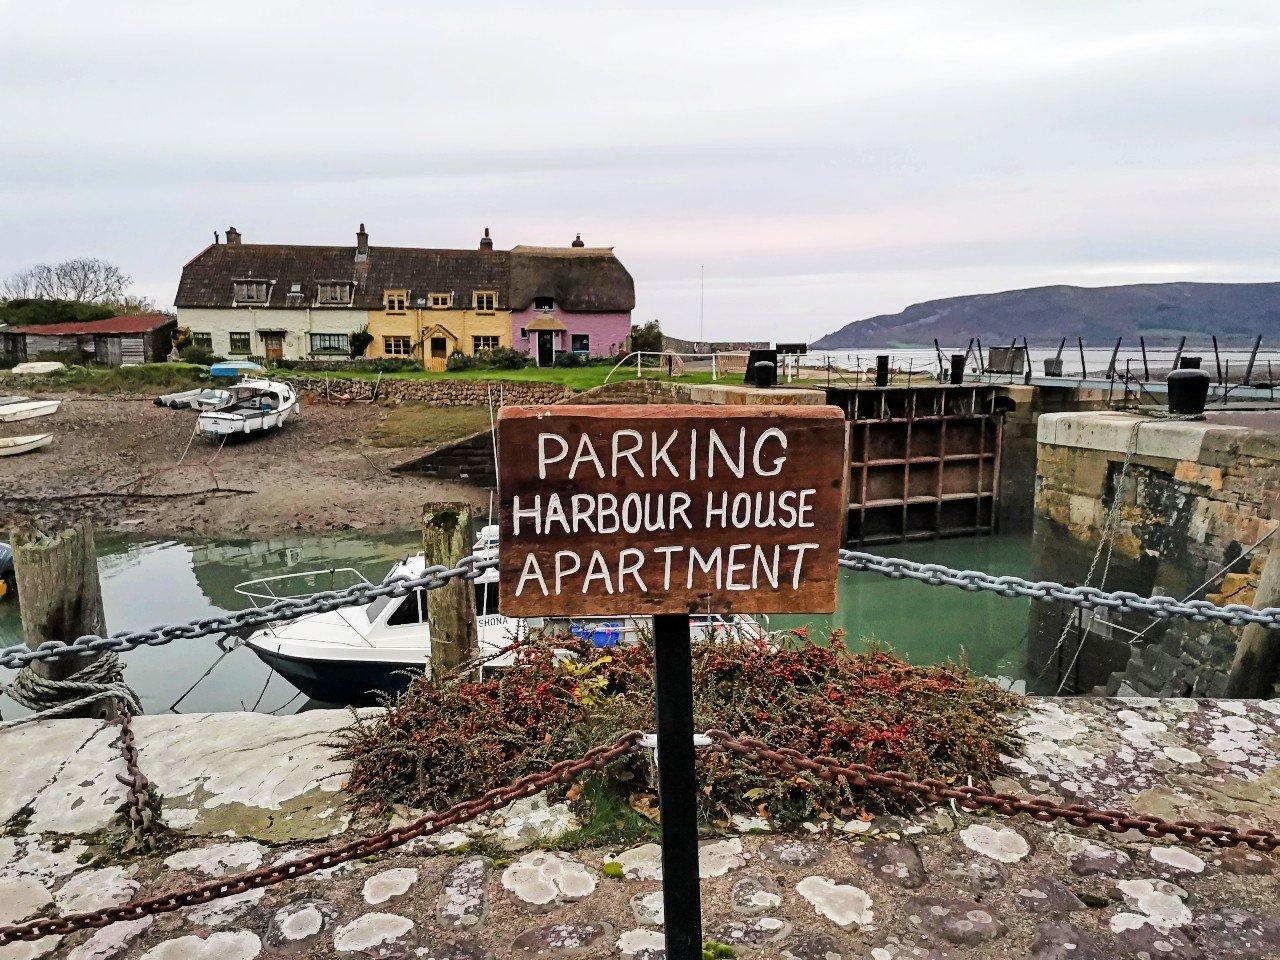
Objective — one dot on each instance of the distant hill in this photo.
(1235, 312)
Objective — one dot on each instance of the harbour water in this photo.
(150, 582)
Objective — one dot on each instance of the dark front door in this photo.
(273, 346)
(438, 347)
(546, 348)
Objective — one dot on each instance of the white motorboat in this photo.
(253, 406)
(28, 409)
(12, 446)
(12, 399)
(356, 654)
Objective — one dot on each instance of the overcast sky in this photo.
(825, 162)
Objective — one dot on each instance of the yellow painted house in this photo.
(431, 325)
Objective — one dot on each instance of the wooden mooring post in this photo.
(60, 597)
(451, 610)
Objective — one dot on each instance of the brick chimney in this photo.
(486, 242)
(577, 241)
(362, 243)
(233, 237)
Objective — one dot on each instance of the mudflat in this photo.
(120, 462)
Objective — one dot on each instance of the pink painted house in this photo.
(574, 298)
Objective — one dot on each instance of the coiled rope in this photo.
(100, 680)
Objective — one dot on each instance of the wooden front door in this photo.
(273, 346)
(546, 348)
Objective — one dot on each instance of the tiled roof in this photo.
(132, 323)
(587, 279)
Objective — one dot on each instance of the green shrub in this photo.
(449, 739)
(647, 337)
(503, 358)
(200, 355)
(24, 312)
(568, 359)
(389, 364)
(459, 361)
(360, 341)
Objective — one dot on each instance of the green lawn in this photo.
(171, 377)
(414, 424)
(154, 378)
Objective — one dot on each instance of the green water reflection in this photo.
(927, 624)
(149, 582)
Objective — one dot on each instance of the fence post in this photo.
(1254, 669)
(713, 368)
(60, 598)
(451, 609)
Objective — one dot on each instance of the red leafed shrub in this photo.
(444, 741)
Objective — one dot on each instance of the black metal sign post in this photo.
(677, 786)
(657, 510)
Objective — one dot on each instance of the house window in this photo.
(295, 288)
(330, 343)
(543, 303)
(524, 334)
(485, 343)
(440, 301)
(485, 301)
(252, 291)
(202, 341)
(240, 343)
(580, 343)
(334, 293)
(396, 346)
(395, 300)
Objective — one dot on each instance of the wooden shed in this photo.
(114, 342)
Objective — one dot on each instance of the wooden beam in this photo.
(451, 610)
(59, 595)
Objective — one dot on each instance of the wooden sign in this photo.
(652, 509)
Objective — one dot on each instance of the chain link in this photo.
(1089, 598)
(459, 813)
(433, 578)
(862, 776)
(137, 807)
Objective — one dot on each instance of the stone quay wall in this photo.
(1197, 496)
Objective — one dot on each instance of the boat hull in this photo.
(12, 412)
(217, 424)
(12, 446)
(347, 682)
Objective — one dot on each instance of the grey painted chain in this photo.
(289, 609)
(1090, 598)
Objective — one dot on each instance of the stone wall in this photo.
(438, 393)
(1196, 497)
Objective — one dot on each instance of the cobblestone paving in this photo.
(941, 884)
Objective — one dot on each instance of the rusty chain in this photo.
(860, 775)
(137, 807)
(239, 883)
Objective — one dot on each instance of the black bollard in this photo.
(882, 370)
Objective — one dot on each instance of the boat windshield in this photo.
(486, 597)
